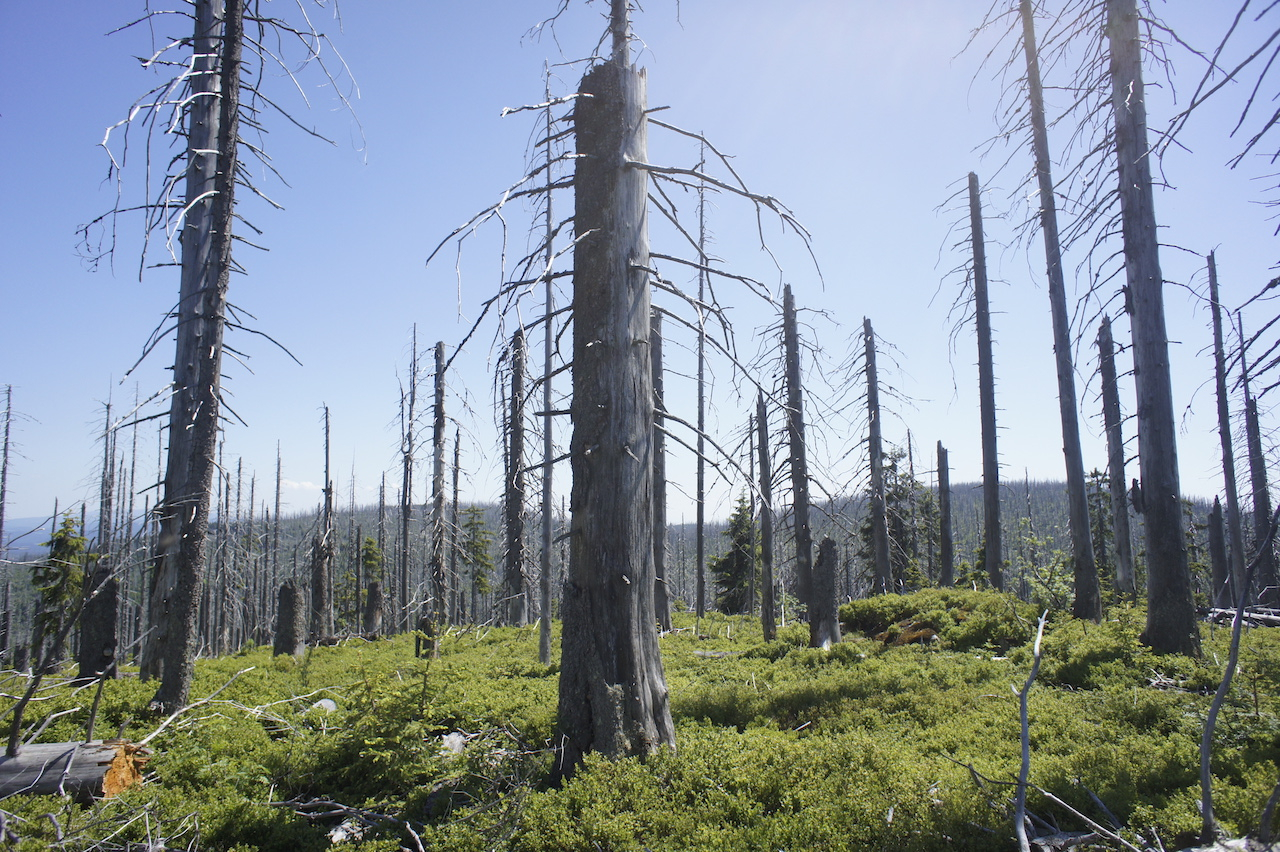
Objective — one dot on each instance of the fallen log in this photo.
(85, 771)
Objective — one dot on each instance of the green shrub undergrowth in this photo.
(872, 744)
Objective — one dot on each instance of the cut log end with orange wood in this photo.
(85, 771)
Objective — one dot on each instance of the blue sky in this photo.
(863, 117)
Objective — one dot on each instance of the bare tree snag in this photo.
(212, 127)
(883, 573)
(799, 461)
(1122, 536)
(991, 532)
(100, 619)
(408, 444)
(768, 622)
(373, 607)
(322, 550)
(1225, 593)
(84, 771)
(1171, 616)
(291, 622)
(947, 574)
(1268, 583)
(700, 595)
(4, 478)
(661, 596)
(613, 693)
(439, 587)
(517, 602)
(1088, 595)
(1219, 567)
(824, 621)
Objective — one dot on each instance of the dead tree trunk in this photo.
(84, 771)
(824, 621)
(946, 545)
(799, 461)
(883, 575)
(700, 595)
(455, 583)
(661, 598)
(517, 604)
(212, 126)
(373, 606)
(408, 414)
(1171, 615)
(768, 622)
(100, 619)
(4, 472)
(548, 444)
(1122, 537)
(991, 533)
(439, 587)
(1218, 564)
(1224, 594)
(322, 549)
(1268, 590)
(291, 624)
(613, 691)
(1088, 595)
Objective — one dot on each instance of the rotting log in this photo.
(85, 771)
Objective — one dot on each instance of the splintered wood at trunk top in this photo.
(613, 692)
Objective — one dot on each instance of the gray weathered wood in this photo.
(824, 621)
(613, 692)
(291, 622)
(1224, 592)
(212, 126)
(84, 771)
(799, 461)
(1088, 595)
(991, 531)
(768, 616)
(661, 593)
(1122, 535)
(1171, 617)
(947, 556)
(882, 570)
(516, 611)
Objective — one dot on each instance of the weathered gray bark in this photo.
(700, 604)
(548, 445)
(613, 693)
(768, 617)
(947, 556)
(373, 606)
(824, 620)
(439, 587)
(455, 583)
(84, 771)
(1268, 583)
(991, 531)
(322, 550)
(100, 618)
(1122, 538)
(408, 444)
(1218, 563)
(517, 605)
(212, 127)
(1171, 615)
(799, 461)
(1224, 593)
(661, 598)
(1088, 595)
(883, 572)
(4, 469)
(291, 624)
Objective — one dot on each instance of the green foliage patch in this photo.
(867, 745)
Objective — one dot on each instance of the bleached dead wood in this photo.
(85, 771)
